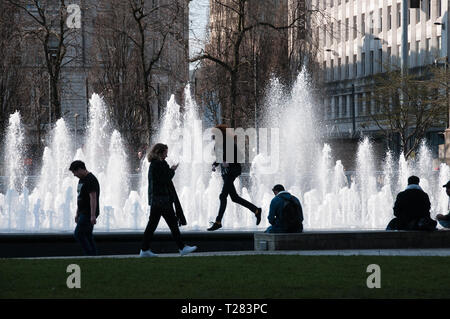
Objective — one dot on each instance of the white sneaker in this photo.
(187, 249)
(147, 253)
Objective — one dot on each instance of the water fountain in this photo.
(291, 153)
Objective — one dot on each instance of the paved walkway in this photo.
(367, 252)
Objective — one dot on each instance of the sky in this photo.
(198, 20)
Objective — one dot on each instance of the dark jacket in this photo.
(234, 169)
(161, 190)
(410, 205)
(276, 211)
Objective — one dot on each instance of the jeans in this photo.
(83, 234)
(166, 211)
(229, 189)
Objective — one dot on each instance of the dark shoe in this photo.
(215, 226)
(258, 215)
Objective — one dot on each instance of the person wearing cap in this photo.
(285, 214)
(444, 220)
(412, 209)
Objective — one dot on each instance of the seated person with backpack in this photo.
(285, 215)
(412, 209)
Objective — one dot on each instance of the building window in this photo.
(360, 104)
(417, 53)
(371, 22)
(371, 62)
(346, 28)
(363, 64)
(325, 70)
(336, 107)
(330, 109)
(439, 8)
(339, 69)
(355, 65)
(347, 73)
(332, 70)
(399, 15)
(355, 28)
(363, 24)
(344, 106)
(380, 61)
(428, 9)
(380, 21)
(389, 17)
(439, 43)
(339, 32)
(332, 32)
(418, 15)
(388, 54)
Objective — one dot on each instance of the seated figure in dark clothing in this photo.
(412, 209)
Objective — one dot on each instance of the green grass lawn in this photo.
(263, 276)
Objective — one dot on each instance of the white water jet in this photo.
(332, 198)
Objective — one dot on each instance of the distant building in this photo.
(359, 36)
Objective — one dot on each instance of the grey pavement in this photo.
(360, 252)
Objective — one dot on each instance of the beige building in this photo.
(356, 38)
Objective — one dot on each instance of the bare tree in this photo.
(160, 22)
(137, 43)
(10, 63)
(45, 29)
(408, 105)
(235, 46)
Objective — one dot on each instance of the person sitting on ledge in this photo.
(285, 215)
(412, 209)
(444, 220)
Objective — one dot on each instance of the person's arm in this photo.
(93, 201)
(300, 207)
(162, 172)
(77, 215)
(397, 206)
(272, 211)
(427, 206)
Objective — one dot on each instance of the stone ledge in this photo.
(352, 240)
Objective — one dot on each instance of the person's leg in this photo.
(155, 215)
(239, 200)
(91, 241)
(227, 184)
(83, 232)
(171, 220)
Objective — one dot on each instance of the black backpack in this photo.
(292, 216)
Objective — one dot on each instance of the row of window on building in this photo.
(377, 61)
(424, 4)
(335, 34)
(343, 106)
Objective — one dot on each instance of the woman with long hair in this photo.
(161, 197)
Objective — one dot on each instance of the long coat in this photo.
(161, 189)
